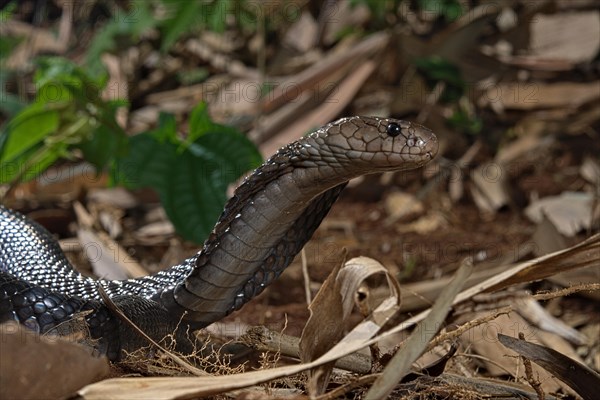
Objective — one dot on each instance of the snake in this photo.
(264, 225)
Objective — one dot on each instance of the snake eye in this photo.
(393, 129)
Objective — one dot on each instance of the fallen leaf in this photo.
(579, 377)
(330, 310)
(574, 36)
(40, 367)
(489, 189)
(570, 212)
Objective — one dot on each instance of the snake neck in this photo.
(263, 226)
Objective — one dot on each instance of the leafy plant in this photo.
(191, 175)
(436, 69)
(68, 114)
(465, 122)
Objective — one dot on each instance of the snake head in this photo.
(372, 144)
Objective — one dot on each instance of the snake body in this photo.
(270, 217)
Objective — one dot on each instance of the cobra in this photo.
(270, 217)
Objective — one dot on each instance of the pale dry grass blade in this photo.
(418, 341)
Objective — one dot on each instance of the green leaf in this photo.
(103, 146)
(462, 121)
(194, 197)
(186, 15)
(47, 157)
(190, 177)
(146, 165)
(200, 122)
(217, 17)
(196, 191)
(231, 154)
(436, 69)
(7, 12)
(167, 128)
(27, 129)
(31, 163)
(60, 80)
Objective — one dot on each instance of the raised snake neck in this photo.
(270, 217)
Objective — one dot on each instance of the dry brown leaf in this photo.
(159, 231)
(547, 238)
(589, 274)
(330, 310)
(262, 339)
(573, 36)
(38, 40)
(489, 189)
(530, 140)
(570, 212)
(482, 340)
(590, 170)
(35, 367)
(221, 61)
(539, 317)
(578, 376)
(239, 97)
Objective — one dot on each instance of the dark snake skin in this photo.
(263, 226)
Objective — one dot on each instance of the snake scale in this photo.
(270, 217)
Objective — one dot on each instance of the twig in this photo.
(306, 277)
(263, 339)
(535, 383)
